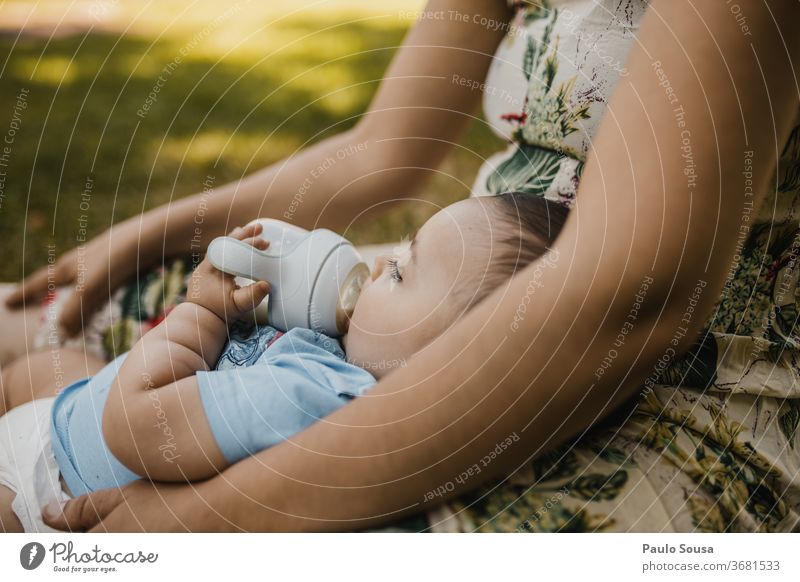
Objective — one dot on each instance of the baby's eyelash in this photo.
(395, 271)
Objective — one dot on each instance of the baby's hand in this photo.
(218, 292)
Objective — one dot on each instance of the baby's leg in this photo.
(9, 523)
(43, 374)
(39, 375)
(19, 327)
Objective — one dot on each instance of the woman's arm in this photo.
(418, 113)
(639, 220)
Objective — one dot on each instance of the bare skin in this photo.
(192, 336)
(19, 327)
(450, 251)
(44, 374)
(31, 378)
(378, 457)
(411, 125)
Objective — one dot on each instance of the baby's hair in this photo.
(528, 227)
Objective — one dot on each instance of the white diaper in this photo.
(27, 464)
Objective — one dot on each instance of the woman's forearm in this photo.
(423, 105)
(354, 175)
(294, 190)
(432, 430)
(530, 366)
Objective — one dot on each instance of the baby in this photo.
(195, 394)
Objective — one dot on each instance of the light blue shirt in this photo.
(266, 387)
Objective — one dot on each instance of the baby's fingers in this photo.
(247, 231)
(248, 298)
(258, 243)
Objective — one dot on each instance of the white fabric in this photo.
(27, 464)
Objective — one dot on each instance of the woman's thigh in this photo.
(44, 374)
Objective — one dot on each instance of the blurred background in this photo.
(253, 82)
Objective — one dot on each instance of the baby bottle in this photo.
(315, 276)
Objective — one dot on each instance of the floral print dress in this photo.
(712, 443)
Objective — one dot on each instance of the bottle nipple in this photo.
(348, 295)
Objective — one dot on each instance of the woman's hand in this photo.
(218, 292)
(138, 506)
(95, 269)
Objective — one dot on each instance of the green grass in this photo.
(246, 93)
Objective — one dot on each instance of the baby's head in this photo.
(456, 259)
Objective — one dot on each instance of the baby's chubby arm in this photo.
(153, 420)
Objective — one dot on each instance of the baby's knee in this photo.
(28, 378)
(3, 404)
(45, 374)
(9, 522)
(14, 384)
